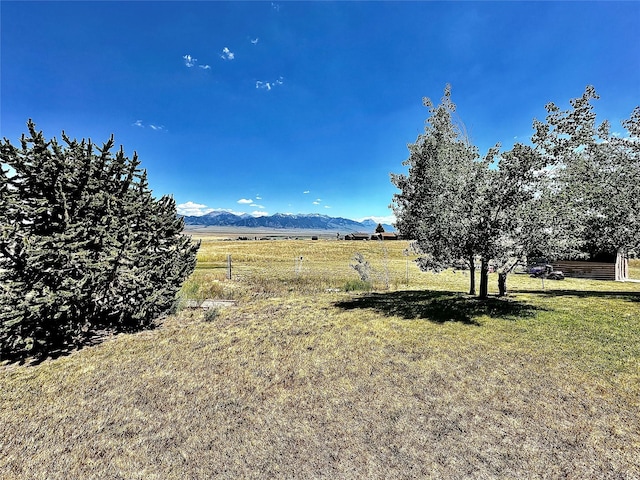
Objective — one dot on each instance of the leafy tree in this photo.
(84, 246)
(436, 205)
(594, 176)
(459, 206)
(379, 228)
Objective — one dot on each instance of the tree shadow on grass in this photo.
(627, 296)
(61, 348)
(440, 307)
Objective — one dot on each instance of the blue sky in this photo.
(299, 107)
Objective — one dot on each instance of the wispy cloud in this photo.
(255, 41)
(327, 206)
(258, 197)
(245, 201)
(316, 203)
(259, 213)
(198, 209)
(189, 61)
(140, 124)
(275, 6)
(227, 54)
(380, 219)
(306, 192)
(255, 205)
(193, 209)
(269, 85)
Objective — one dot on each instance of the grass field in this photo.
(301, 379)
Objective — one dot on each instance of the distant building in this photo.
(356, 236)
(385, 236)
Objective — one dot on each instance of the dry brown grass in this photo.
(298, 382)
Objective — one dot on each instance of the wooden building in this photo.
(356, 236)
(385, 236)
(617, 269)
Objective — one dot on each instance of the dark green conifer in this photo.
(84, 245)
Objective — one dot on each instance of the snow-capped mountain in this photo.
(280, 220)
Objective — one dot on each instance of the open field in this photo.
(232, 233)
(301, 379)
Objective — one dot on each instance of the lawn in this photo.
(300, 379)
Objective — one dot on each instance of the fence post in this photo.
(229, 267)
(297, 265)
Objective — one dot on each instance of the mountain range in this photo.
(281, 220)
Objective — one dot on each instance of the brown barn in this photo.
(357, 236)
(615, 269)
(385, 236)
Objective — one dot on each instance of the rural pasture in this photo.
(309, 375)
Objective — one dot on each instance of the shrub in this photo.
(361, 266)
(83, 245)
(357, 285)
(211, 314)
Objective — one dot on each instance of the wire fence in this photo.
(377, 266)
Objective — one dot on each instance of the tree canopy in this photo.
(594, 176)
(84, 245)
(574, 190)
(457, 205)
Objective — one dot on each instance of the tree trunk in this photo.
(472, 276)
(502, 283)
(484, 278)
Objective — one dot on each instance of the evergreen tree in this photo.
(84, 246)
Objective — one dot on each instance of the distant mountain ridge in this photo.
(311, 221)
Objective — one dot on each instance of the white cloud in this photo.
(306, 191)
(193, 209)
(269, 85)
(258, 197)
(189, 61)
(198, 209)
(258, 213)
(389, 219)
(256, 205)
(255, 40)
(316, 203)
(318, 199)
(246, 201)
(139, 123)
(327, 206)
(205, 67)
(227, 54)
